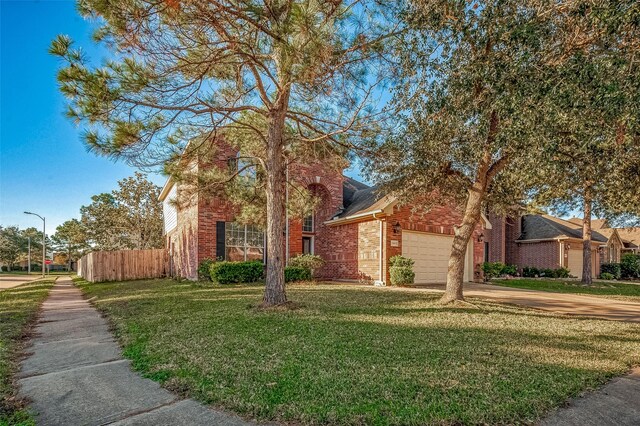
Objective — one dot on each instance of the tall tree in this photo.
(11, 245)
(475, 81)
(71, 239)
(186, 69)
(130, 217)
(594, 159)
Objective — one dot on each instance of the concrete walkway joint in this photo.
(76, 375)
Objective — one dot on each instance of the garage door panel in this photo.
(430, 253)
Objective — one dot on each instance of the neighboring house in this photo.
(354, 229)
(542, 241)
(620, 240)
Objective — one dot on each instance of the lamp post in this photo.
(43, 239)
(29, 265)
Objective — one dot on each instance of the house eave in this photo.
(165, 189)
(355, 218)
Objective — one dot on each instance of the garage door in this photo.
(431, 255)
(574, 263)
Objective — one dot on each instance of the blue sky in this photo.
(44, 166)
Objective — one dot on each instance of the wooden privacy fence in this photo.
(122, 265)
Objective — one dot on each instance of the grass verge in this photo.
(617, 290)
(355, 355)
(18, 309)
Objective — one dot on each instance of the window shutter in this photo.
(220, 240)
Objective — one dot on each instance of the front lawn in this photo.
(361, 355)
(572, 286)
(18, 309)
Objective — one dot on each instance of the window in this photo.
(486, 251)
(307, 224)
(243, 242)
(245, 167)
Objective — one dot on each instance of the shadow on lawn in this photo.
(360, 355)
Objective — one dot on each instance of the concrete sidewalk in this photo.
(616, 404)
(76, 375)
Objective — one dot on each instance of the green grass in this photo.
(358, 355)
(18, 309)
(569, 286)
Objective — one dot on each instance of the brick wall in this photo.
(543, 254)
(496, 238)
(369, 250)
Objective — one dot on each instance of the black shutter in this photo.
(220, 235)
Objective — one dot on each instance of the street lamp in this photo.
(43, 239)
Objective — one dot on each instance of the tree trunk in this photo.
(274, 292)
(455, 274)
(586, 240)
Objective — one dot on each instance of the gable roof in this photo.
(595, 223)
(359, 199)
(545, 227)
(630, 236)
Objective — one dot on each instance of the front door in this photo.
(307, 245)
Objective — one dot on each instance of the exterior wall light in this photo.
(396, 227)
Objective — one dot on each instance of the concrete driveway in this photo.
(8, 281)
(574, 304)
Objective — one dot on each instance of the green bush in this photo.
(497, 269)
(204, 270)
(402, 275)
(307, 261)
(224, 272)
(530, 272)
(5, 268)
(296, 273)
(561, 273)
(401, 261)
(611, 268)
(492, 269)
(547, 273)
(607, 276)
(510, 270)
(630, 265)
(401, 270)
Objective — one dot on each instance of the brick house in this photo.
(354, 229)
(544, 241)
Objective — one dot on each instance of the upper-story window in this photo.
(245, 166)
(307, 224)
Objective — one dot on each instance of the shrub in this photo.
(401, 270)
(497, 269)
(607, 276)
(492, 269)
(401, 261)
(547, 273)
(510, 270)
(402, 275)
(611, 268)
(296, 273)
(530, 272)
(561, 273)
(236, 272)
(630, 265)
(5, 268)
(204, 270)
(307, 261)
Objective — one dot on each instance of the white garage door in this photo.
(574, 262)
(431, 255)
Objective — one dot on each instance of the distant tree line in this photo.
(129, 217)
